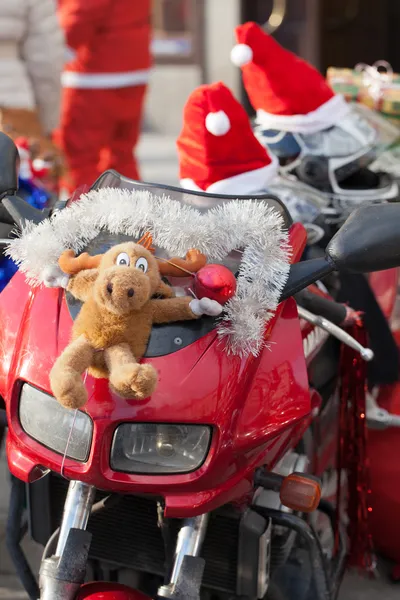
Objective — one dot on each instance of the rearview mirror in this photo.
(368, 241)
(9, 165)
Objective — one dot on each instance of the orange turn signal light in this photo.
(300, 492)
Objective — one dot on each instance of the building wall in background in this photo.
(221, 18)
(191, 45)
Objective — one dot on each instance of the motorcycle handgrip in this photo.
(324, 307)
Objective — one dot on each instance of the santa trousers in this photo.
(99, 130)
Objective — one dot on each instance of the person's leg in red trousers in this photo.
(85, 130)
(119, 152)
(99, 130)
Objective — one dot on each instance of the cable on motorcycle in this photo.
(70, 435)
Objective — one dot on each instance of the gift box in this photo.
(376, 86)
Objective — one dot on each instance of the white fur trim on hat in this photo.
(244, 184)
(218, 123)
(327, 115)
(241, 55)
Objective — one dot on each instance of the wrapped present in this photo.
(376, 86)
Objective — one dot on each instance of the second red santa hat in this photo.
(218, 152)
(287, 92)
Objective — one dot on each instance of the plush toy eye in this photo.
(123, 259)
(142, 264)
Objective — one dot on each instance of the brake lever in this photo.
(366, 353)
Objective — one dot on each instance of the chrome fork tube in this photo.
(77, 507)
(189, 543)
(190, 540)
(62, 574)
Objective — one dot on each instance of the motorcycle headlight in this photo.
(49, 423)
(157, 449)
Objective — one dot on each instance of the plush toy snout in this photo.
(122, 289)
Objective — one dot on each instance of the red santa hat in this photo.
(286, 91)
(218, 152)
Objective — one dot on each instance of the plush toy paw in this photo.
(68, 388)
(205, 306)
(146, 382)
(53, 277)
(134, 381)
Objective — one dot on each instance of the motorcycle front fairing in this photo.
(254, 407)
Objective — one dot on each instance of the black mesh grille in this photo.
(127, 536)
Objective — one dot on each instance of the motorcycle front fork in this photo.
(62, 574)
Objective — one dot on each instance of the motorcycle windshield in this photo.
(351, 136)
(362, 128)
(169, 338)
(304, 203)
(388, 154)
(387, 134)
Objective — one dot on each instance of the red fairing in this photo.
(109, 591)
(257, 407)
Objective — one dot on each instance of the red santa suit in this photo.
(104, 85)
(218, 152)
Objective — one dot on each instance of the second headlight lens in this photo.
(159, 448)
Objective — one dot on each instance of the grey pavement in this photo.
(158, 162)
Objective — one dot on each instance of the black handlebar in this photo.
(323, 307)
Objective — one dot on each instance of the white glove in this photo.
(53, 277)
(205, 306)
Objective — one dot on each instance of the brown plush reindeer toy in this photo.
(123, 295)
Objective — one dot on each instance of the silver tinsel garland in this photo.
(247, 225)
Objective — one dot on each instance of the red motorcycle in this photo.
(211, 488)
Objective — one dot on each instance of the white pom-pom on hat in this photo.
(218, 123)
(241, 55)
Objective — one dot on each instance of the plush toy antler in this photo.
(173, 267)
(181, 267)
(176, 267)
(147, 242)
(71, 264)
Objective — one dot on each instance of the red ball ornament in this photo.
(215, 282)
